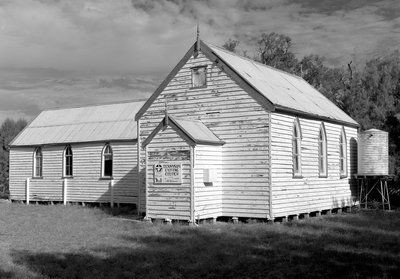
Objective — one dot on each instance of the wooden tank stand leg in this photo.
(361, 185)
(387, 191)
(387, 194)
(366, 194)
(382, 194)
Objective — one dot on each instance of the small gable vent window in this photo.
(199, 77)
(107, 165)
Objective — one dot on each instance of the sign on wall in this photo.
(168, 173)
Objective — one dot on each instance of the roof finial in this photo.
(198, 31)
(198, 38)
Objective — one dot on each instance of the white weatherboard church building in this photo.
(221, 136)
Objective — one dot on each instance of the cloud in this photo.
(91, 36)
(142, 36)
(63, 53)
(25, 96)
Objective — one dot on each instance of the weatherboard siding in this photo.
(86, 184)
(311, 192)
(236, 118)
(208, 198)
(169, 201)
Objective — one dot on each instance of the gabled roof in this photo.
(193, 131)
(272, 88)
(83, 124)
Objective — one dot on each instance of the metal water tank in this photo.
(373, 152)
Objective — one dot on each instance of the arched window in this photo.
(38, 162)
(322, 152)
(107, 161)
(68, 161)
(296, 145)
(343, 154)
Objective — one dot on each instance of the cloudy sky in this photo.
(63, 53)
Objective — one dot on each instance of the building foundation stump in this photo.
(147, 219)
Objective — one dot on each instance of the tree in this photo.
(275, 50)
(371, 95)
(231, 45)
(311, 69)
(8, 130)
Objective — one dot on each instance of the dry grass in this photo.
(75, 242)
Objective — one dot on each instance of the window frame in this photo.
(322, 152)
(103, 161)
(296, 144)
(343, 154)
(35, 174)
(192, 86)
(65, 165)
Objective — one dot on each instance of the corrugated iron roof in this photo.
(196, 130)
(193, 131)
(284, 90)
(82, 124)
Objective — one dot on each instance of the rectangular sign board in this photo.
(167, 173)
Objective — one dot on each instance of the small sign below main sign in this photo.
(168, 173)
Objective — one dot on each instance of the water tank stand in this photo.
(367, 185)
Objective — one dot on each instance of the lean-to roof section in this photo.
(83, 124)
(197, 131)
(285, 91)
(193, 131)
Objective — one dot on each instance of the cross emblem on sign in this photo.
(158, 168)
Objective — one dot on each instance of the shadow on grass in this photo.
(320, 248)
(6, 274)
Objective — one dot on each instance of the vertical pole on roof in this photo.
(65, 191)
(112, 193)
(197, 46)
(27, 190)
(198, 37)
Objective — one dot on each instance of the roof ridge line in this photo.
(95, 105)
(76, 123)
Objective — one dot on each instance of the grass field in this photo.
(40, 241)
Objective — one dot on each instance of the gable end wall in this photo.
(236, 118)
